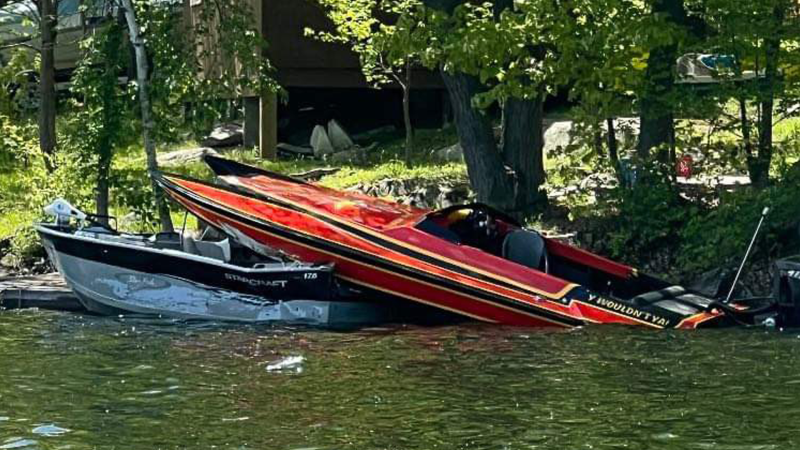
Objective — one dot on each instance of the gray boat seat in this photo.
(526, 247)
(217, 250)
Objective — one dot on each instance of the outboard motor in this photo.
(63, 212)
(786, 289)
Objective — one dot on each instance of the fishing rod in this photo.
(747, 254)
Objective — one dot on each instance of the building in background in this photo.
(323, 81)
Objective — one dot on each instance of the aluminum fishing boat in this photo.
(178, 276)
(468, 259)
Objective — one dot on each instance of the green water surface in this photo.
(79, 382)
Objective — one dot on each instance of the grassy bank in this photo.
(25, 188)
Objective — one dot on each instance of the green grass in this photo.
(20, 205)
(12, 221)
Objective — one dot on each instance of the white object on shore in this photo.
(338, 137)
(320, 142)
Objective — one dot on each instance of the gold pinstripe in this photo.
(552, 295)
(516, 311)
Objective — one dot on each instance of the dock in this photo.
(48, 291)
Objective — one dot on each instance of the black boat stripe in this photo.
(181, 267)
(409, 252)
(365, 258)
(457, 288)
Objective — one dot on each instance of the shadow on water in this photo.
(78, 382)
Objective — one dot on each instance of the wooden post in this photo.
(268, 139)
(252, 121)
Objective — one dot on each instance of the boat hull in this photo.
(397, 251)
(111, 279)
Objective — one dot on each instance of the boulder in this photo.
(454, 153)
(320, 142)
(339, 138)
(225, 135)
(182, 157)
(557, 135)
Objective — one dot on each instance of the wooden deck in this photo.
(47, 291)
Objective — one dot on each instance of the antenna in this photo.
(747, 255)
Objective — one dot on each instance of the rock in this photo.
(558, 135)
(182, 157)
(315, 174)
(454, 153)
(420, 193)
(355, 156)
(320, 142)
(339, 138)
(627, 130)
(8, 261)
(714, 283)
(226, 135)
(5, 245)
(454, 195)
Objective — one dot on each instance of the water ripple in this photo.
(152, 384)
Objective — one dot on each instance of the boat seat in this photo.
(169, 240)
(526, 247)
(217, 250)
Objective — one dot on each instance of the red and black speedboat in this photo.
(471, 259)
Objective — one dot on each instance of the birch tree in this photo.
(142, 80)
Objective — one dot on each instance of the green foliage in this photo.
(720, 235)
(384, 35)
(103, 107)
(17, 141)
(25, 189)
(14, 81)
(174, 78)
(649, 217)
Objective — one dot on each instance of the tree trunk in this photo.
(613, 145)
(656, 126)
(407, 115)
(523, 145)
(655, 110)
(47, 83)
(101, 199)
(142, 80)
(748, 143)
(487, 173)
(759, 166)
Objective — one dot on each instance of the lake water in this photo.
(78, 382)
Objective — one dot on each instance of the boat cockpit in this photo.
(498, 234)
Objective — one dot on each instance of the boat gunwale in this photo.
(273, 267)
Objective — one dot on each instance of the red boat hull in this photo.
(386, 254)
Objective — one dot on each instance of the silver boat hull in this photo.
(112, 290)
